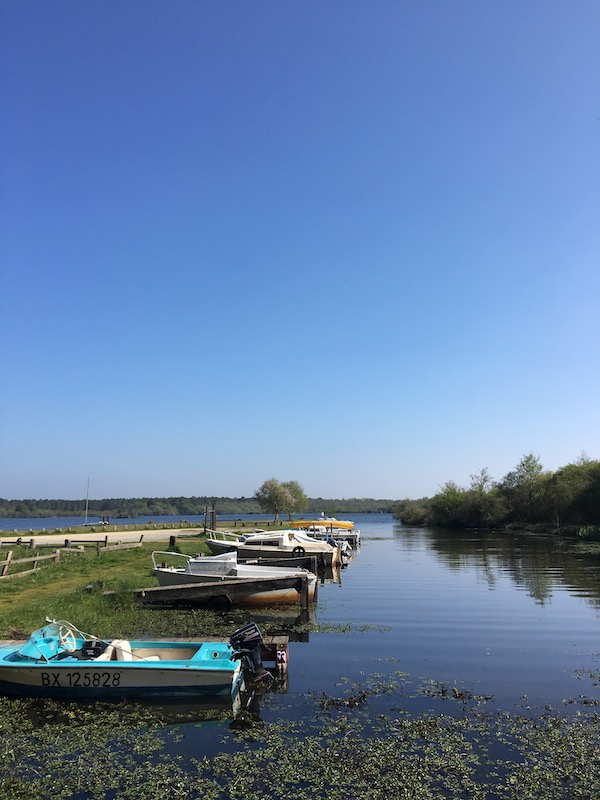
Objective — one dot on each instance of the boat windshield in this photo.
(45, 642)
(157, 562)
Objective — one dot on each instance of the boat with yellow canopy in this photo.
(327, 522)
(329, 528)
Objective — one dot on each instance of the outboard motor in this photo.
(246, 643)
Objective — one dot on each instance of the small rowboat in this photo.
(60, 661)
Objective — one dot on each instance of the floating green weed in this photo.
(105, 752)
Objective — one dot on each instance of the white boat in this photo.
(216, 568)
(275, 544)
(329, 528)
(61, 661)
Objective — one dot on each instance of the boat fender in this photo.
(299, 551)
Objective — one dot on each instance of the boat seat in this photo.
(107, 655)
(117, 650)
(122, 649)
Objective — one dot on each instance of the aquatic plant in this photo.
(104, 752)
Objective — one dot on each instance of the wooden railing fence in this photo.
(9, 562)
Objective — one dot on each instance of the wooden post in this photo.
(304, 612)
(304, 593)
(6, 563)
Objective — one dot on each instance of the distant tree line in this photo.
(527, 496)
(178, 506)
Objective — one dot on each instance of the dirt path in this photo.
(82, 537)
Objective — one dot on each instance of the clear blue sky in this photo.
(351, 244)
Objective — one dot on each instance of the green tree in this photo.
(273, 496)
(481, 481)
(574, 493)
(413, 512)
(484, 506)
(449, 507)
(298, 498)
(524, 489)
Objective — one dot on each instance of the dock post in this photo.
(304, 594)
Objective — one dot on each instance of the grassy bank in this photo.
(73, 589)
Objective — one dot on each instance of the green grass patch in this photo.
(73, 589)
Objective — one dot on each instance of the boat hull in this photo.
(284, 596)
(110, 682)
(209, 672)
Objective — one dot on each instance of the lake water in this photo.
(504, 615)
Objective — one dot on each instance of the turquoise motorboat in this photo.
(60, 661)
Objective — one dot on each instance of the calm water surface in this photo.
(499, 614)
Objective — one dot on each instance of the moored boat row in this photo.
(329, 529)
(277, 544)
(61, 661)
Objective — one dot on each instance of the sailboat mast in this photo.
(87, 501)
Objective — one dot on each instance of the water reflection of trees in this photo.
(535, 563)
